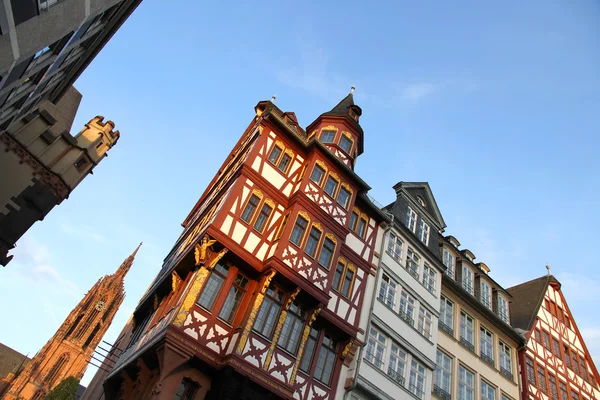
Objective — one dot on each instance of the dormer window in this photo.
(467, 279)
(485, 294)
(411, 219)
(327, 136)
(346, 144)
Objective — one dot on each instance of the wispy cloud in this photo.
(591, 337)
(579, 287)
(47, 274)
(417, 91)
(82, 231)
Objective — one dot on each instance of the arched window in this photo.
(39, 394)
(56, 369)
(73, 326)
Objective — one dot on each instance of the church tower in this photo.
(68, 352)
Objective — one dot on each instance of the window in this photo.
(387, 290)
(251, 207)
(407, 307)
(56, 369)
(309, 350)
(348, 281)
(446, 315)
(442, 377)
(187, 390)
(234, 297)
(263, 217)
(317, 175)
(213, 285)
(556, 346)
(282, 226)
(448, 260)
(284, 163)
(546, 339)
(395, 247)
(81, 164)
(411, 219)
(331, 186)
(567, 356)
(326, 360)
(275, 153)
(503, 309)
(485, 295)
(467, 331)
(362, 225)
(269, 312)
(505, 360)
(412, 263)
(39, 394)
(530, 371)
(575, 364)
(487, 391)
(327, 253)
(312, 242)
(376, 344)
(424, 322)
(467, 279)
(343, 279)
(423, 233)
(298, 231)
(574, 396)
(429, 277)
(542, 379)
(466, 384)
(417, 379)
(346, 144)
(553, 388)
(564, 394)
(343, 197)
(328, 136)
(486, 345)
(353, 220)
(397, 364)
(504, 397)
(292, 329)
(538, 336)
(583, 368)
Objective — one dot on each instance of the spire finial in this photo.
(352, 89)
(273, 98)
(548, 268)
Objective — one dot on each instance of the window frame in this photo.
(274, 160)
(485, 293)
(267, 217)
(465, 326)
(411, 219)
(468, 287)
(424, 232)
(388, 288)
(234, 286)
(328, 131)
(449, 259)
(469, 386)
(429, 278)
(301, 238)
(330, 350)
(333, 193)
(317, 167)
(215, 272)
(376, 344)
(350, 141)
(310, 239)
(295, 315)
(248, 204)
(274, 298)
(443, 312)
(446, 373)
(347, 202)
(503, 305)
(486, 344)
(333, 242)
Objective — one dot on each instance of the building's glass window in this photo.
(564, 394)
(298, 231)
(411, 219)
(282, 226)
(442, 377)
(312, 242)
(556, 349)
(317, 175)
(583, 368)
(412, 263)
(447, 314)
(292, 329)
(328, 136)
(275, 153)
(429, 277)
(250, 208)
(546, 340)
(397, 364)
(417, 379)
(466, 384)
(467, 279)
(269, 312)
(575, 364)
(553, 388)
(423, 233)
(407, 307)
(338, 275)
(424, 326)
(395, 247)
(343, 197)
(467, 336)
(326, 360)
(538, 335)
(376, 344)
(505, 359)
(449, 262)
(362, 226)
(574, 396)
(504, 397)
(327, 253)
(530, 371)
(284, 163)
(309, 350)
(346, 144)
(331, 186)
(233, 299)
(503, 309)
(388, 290)
(213, 285)
(567, 356)
(487, 391)
(485, 294)
(542, 379)
(263, 217)
(348, 281)
(353, 221)
(187, 390)
(486, 345)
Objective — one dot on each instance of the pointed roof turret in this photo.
(124, 268)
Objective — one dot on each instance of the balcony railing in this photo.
(412, 268)
(396, 255)
(416, 391)
(450, 272)
(441, 393)
(424, 332)
(468, 286)
(506, 373)
(487, 359)
(396, 376)
(446, 328)
(469, 345)
(407, 318)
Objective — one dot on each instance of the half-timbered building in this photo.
(555, 363)
(261, 295)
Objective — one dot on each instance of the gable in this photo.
(420, 193)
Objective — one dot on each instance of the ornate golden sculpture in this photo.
(201, 250)
(347, 348)
(268, 280)
(175, 281)
(216, 259)
(191, 296)
(155, 304)
(292, 297)
(278, 328)
(309, 322)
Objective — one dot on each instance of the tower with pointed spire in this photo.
(68, 352)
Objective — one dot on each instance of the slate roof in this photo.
(342, 109)
(11, 360)
(527, 299)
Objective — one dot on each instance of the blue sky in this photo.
(497, 106)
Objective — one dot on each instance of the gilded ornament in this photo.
(331, 237)
(347, 348)
(244, 336)
(175, 281)
(270, 202)
(201, 250)
(280, 322)
(318, 226)
(321, 164)
(334, 176)
(191, 296)
(155, 304)
(347, 187)
(291, 299)
(329, 128)
(216, 259)
(257, 193)
(304, 215)
(268, 280)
